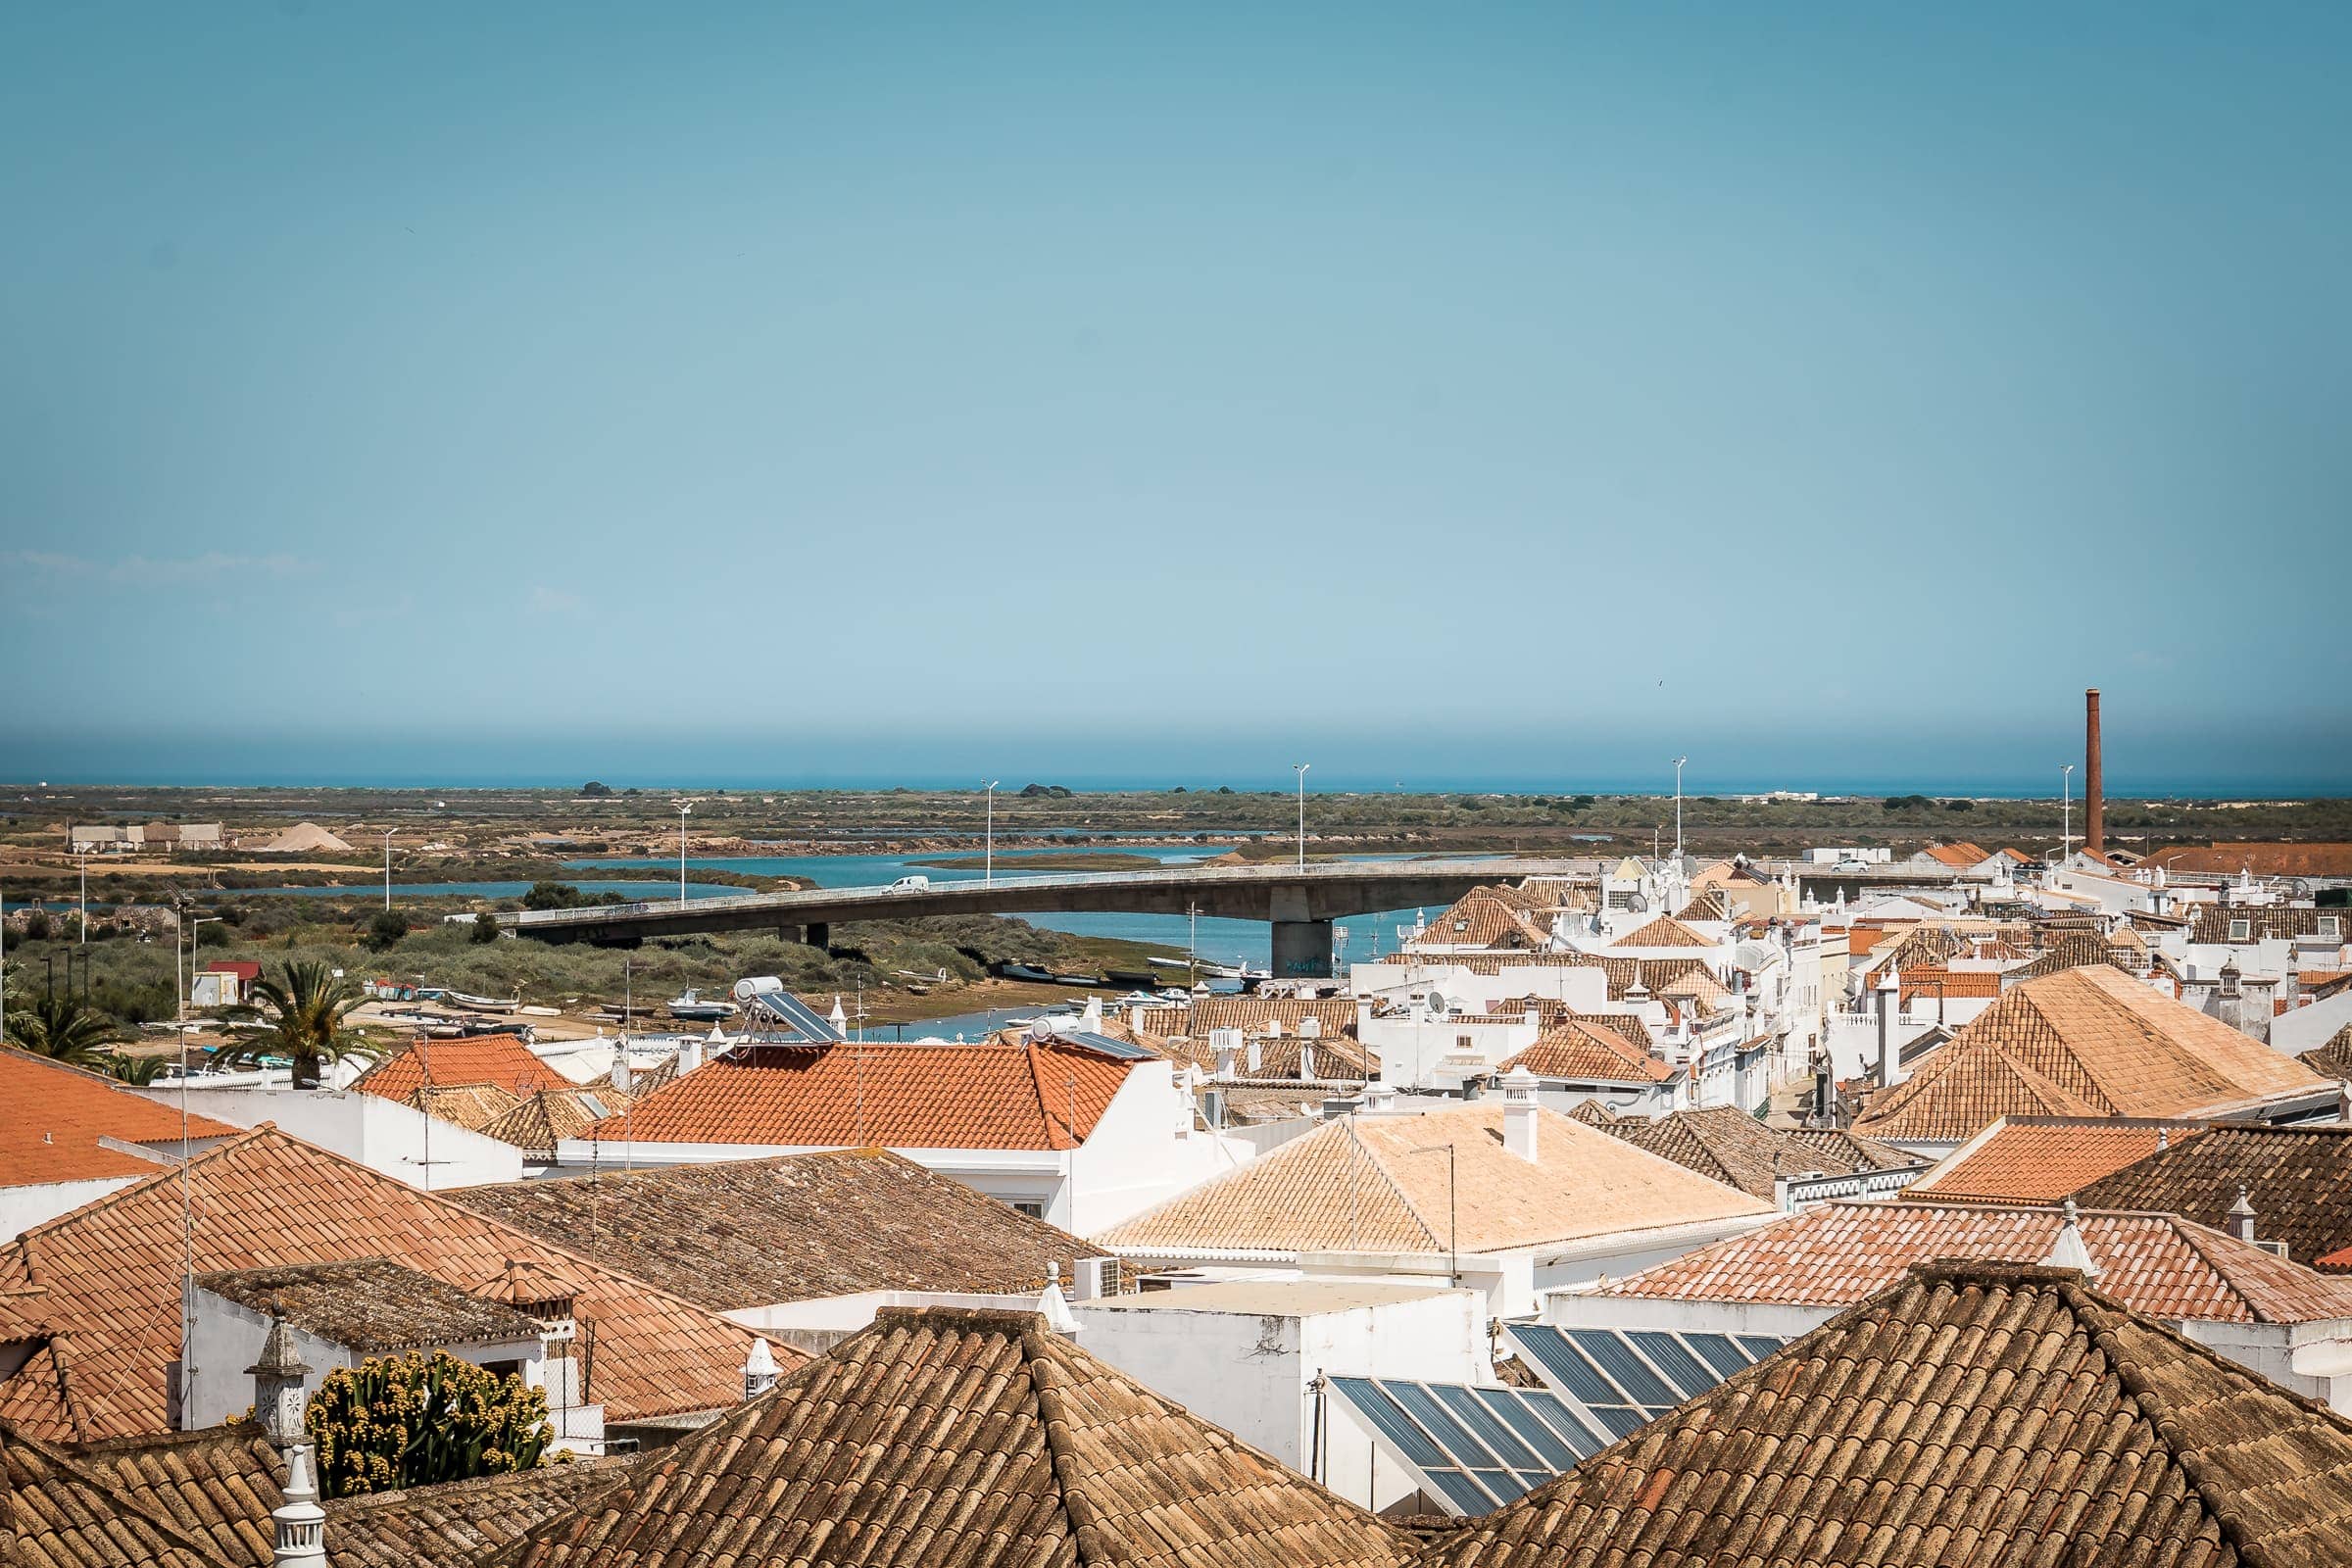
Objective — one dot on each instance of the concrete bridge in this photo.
(1299, 902)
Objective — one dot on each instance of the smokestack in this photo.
(2094, 791)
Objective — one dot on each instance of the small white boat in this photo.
(690, 1006)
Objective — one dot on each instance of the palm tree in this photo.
(56, 1025)
(304, 1007)
(139, 1071)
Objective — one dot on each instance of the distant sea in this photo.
(1098, 756)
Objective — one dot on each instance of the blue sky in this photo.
(1519, 395)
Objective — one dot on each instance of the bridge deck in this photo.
(1278, 893)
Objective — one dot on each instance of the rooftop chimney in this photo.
(1519, 1114)
(759, 1370)
(299, 1524)
(2242, 1217)
(2094, 791)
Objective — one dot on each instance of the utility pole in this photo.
(388, 869)
(684, 807)
(85, 905)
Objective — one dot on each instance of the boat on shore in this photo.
(459, 999)
(688, 1006)
(1026, 971)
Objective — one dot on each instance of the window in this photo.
(1033, 1211)
(2242, 930)
(2331, 927)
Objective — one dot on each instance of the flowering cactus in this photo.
(411, 1420)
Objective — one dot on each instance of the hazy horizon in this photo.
(1829, 393)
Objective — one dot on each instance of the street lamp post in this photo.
(1678, 808)
(85, 898)
(988, 843)
(684, 807)
(2066, 813)
(1300, 768)
(388, 869)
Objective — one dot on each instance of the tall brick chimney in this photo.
(2094, 790)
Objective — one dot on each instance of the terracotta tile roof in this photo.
(2263, 859)
(2298, 1179)
(980, 1440)
(1491, 918)
(1337, 1058)
(55, 1512)
(2089, 1041)
(1253, 1015)
(1663, 932)
(111, 1272)
(2074, 949)
(537, 1124)
(473, 1106)
(56, 1115)
(1961, 856)
(459, 1524)
(1838, 1253)
(1927, 946)
(2333, 1059)
(755, 1232)
(1591, 1112)
(1924, 986)
(219, 1485)
(1725, 1144)
(848, 1096)
(1584, 1053)
(1973, 1417)
(2040, 1159)
(1364, 1183)
(1698, 985)
(501, 1059)
(371, 1305)
(1711, 905)
(2265, 921)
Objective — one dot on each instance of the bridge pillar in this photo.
(818, 934)
(1301, 950)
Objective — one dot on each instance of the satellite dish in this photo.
(1437, 1003)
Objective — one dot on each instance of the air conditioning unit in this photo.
(1096, 1278)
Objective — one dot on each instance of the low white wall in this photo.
(1252, 1373)
(24, 1208)
(383, 1135)
(2301, 1029)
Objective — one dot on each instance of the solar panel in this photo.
(1465, 1495)
(1620, 1420)
(1719, 1352)
(1580, 1435)
(1560, 1365)
(1473, 1447)
(1108, 1045)
(1683, 1372)
(1412, 1443)
(1463, 1401)
(1617, 1381)
(1423, 1406)
(795, 1015)
(1610, 1353)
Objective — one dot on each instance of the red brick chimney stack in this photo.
(2094, 791)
